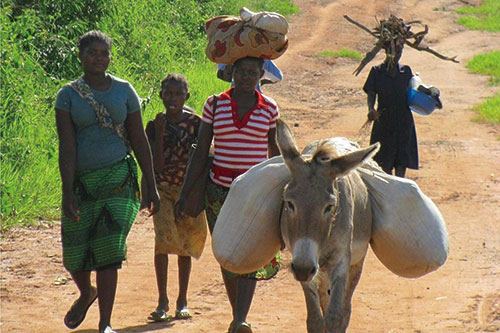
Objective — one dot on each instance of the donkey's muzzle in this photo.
(304, 259)
(303, 273)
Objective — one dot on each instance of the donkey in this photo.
(326, 223)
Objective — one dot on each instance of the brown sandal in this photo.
(72, 324)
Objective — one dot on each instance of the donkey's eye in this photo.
(329, 209)
(289, 206)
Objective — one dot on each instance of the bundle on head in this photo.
(392, 34)
(259, 35)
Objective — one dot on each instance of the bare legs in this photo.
(399, 171)
(240, 293)
(184, 264)
(106, 289)
(161, 268)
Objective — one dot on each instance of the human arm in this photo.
(370, 88)
(154, 131)
(142, 151)
(150, 133)
(67, 163)
(371, 97)
(225, 73)
(273, 149)
(195, 166)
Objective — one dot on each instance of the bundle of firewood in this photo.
(392, 34)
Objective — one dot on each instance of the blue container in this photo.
(420, 102)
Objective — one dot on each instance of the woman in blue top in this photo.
(99, 122)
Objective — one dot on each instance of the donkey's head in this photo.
(310, 199)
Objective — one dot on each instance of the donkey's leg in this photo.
(354, 276)
(315, 321)
(334, 316)
(322, 280)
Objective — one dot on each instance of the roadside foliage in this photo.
(151, 38)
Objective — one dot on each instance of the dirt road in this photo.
(460, 171)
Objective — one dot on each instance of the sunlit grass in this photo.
(151, 38)
(485, 17)
(488, 64)
(343, 53)
(489, 110)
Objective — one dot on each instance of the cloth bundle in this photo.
(259, 35)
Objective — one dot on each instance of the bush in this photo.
(151, 38)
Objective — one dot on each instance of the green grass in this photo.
(343, 53)
(485, 17)
(489, 110)
(488, 64)
(151, 38)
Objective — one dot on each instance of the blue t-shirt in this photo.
(97, 147)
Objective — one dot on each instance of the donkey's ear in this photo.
(342, 165)
(287, 146)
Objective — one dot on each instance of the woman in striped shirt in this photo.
(243, 127)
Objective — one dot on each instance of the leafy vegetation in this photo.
(343, 53)
(150, 39)
(488, 64)
(485, 17)
(489, 111)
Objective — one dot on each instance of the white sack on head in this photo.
(247, 231)
(409, 234)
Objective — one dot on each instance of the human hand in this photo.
(151, 202)
(372, 115)
(143, 205)
(160, 122)
(70, 206)
(179, 206)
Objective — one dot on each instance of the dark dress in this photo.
(395, 128)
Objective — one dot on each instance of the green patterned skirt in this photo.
(215, 197)
(108, 201)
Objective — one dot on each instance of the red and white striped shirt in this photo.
(239, 145)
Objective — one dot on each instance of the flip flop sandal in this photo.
(74, 324)
(183, 314)
(108, 329)
(243, 327)
(159, 316)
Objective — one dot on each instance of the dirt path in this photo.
(460, 171)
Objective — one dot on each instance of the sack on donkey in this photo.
(260, 35)
(247, 231)
(409, 234)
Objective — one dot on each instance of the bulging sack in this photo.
(260, 35)
(247, 231)
(409, 234)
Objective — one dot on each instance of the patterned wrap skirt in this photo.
(215, 197)
(108, 201)
(185, 237)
